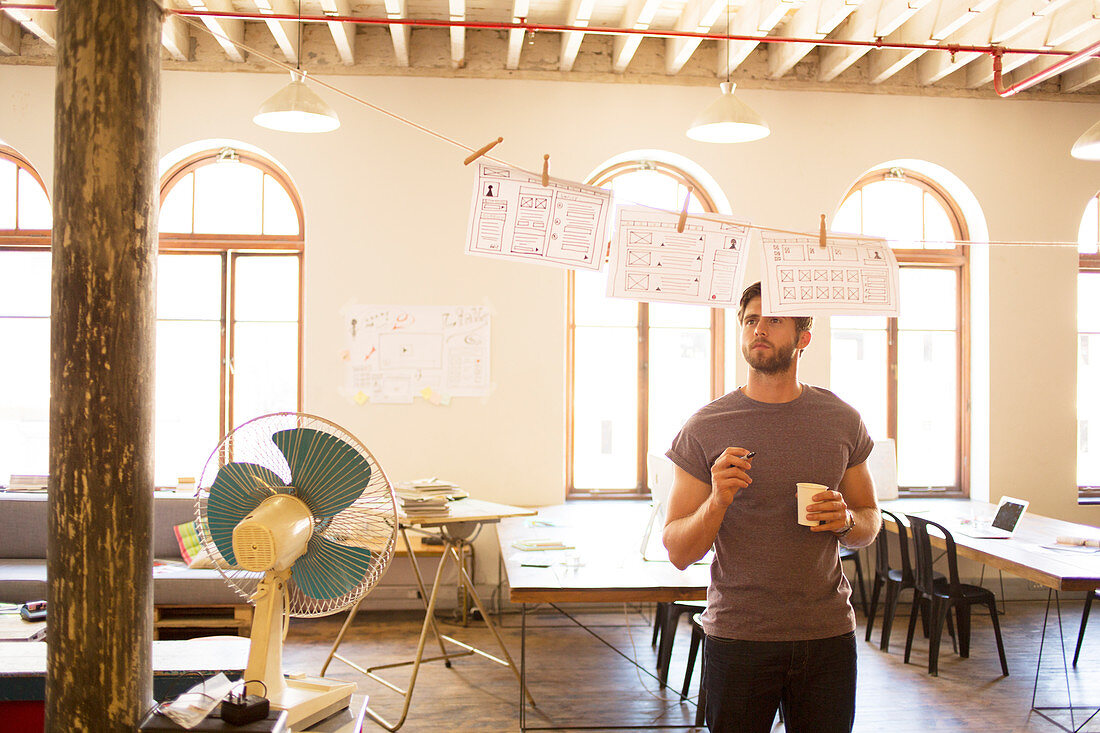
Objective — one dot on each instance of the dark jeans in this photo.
(813, 681)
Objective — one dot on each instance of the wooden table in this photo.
(604, 564)
(1030, 553)
(14, 628)
(461, 522)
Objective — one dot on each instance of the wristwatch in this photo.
(848, 527)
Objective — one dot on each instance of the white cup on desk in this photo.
(806, 494)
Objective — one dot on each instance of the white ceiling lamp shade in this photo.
(728, 120)
(296, 108)
(1087, 146)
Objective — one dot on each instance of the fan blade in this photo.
(329, 570)
(238, 489)
(328, 474)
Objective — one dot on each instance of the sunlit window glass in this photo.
(607, 376)
(903, 375)
(25, 322)
(1088, 379)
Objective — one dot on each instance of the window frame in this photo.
(957, 259)
(1089, 262)
(641, 490)
(231, 247)
(24, 239)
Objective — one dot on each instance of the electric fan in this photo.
(301, 521)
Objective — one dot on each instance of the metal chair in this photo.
(852, 554)
(945, 594)
(664, 631)
(895, 580)
(1084, 620)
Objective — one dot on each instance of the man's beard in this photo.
(778, 361)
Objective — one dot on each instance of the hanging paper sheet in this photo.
(849, 276)
(512, 216)
(397, 352)
(651, 261)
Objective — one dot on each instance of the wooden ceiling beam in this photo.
(637, 14)
(932, 67)
(580, 13)
(1072, 20)
(457, 10)
(1073, 80)
(520, 8)
(886, 62)
(399, 33)
(815, 20)
(175, 36)
(1016, 16)
(698, 16)
(226, 31)
(870, 20)
(42, 23)
(11, 35)
(285, 32)
(343, 34)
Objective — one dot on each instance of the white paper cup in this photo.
(806, 494)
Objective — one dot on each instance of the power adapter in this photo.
(241, 709)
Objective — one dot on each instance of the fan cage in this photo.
(370, 522)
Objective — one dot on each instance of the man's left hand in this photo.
(828, 507)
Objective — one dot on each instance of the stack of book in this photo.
(23, 482)
(427, 497)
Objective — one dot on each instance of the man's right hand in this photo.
(729, 475)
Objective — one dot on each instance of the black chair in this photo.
(697, 635)
(852, 554)
(664, 631)
(1084, 620)
(895, 580)
(945, 594)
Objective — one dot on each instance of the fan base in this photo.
(308, 700)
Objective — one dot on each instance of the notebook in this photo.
(1004, 521)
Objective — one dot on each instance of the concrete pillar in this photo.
(98, 671)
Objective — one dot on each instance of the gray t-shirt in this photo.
(773, 579)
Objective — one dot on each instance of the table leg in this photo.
(420, 587)
(469, 583)
(1041, 710)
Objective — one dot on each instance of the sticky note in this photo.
(361, 397)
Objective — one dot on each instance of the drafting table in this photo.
(604, 565)
(457, 526)
(1027, 555)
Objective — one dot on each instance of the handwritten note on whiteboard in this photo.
(513, 216)
(651, 261)
(397, 352)
(857, 276)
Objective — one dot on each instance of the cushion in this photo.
(23, 523)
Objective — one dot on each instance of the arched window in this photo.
(618, 348)
(1088, 353)
(25, 223)
(229, 327)
(909, 376)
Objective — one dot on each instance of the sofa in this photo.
(187, 601)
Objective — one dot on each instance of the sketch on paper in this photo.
(513, 216)
(848, 276)
(397, 352)
(651, 261)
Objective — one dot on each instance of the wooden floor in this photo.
(576, 680)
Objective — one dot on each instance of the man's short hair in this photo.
(801, 323)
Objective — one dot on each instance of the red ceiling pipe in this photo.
(1058, 67)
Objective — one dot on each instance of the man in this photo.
(780, 628)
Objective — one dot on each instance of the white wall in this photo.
(386, 210)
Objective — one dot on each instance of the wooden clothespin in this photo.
(821, 235)
(482, 151)
(546, 170)
(684, 213)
